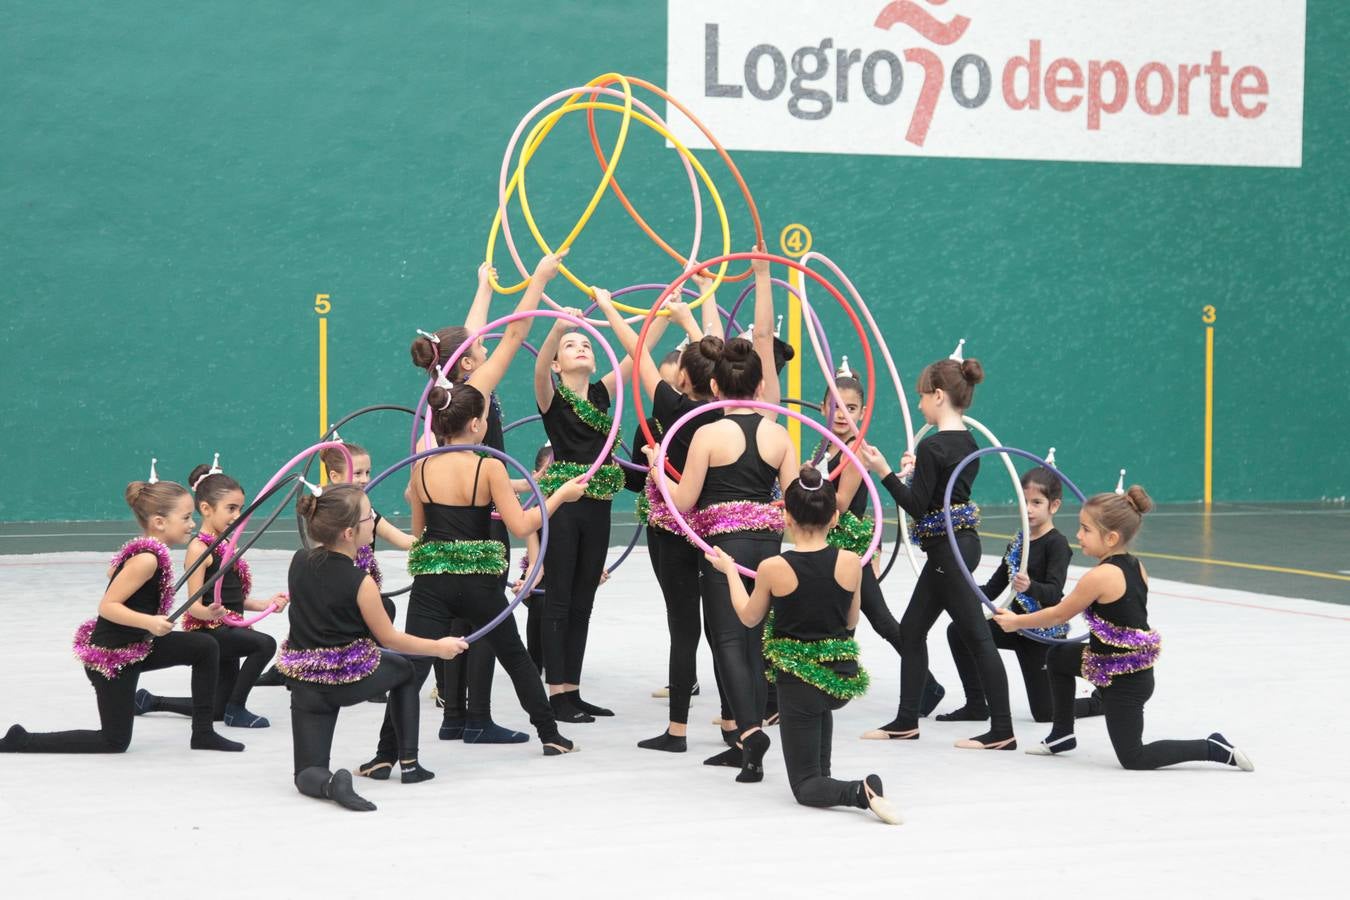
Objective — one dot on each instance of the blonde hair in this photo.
(147, 500)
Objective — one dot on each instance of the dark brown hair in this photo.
(211, 488)
(809, 499)
(1121, 513)
(738, 371)
(699, 362)
(955, 379)
(332, 512)
(148, 500)
(466, 403)
(427, 353)
(1047, 481)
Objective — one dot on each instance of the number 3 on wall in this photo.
(1208, 314)
(323, 306)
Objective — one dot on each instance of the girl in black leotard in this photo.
(456, 565)
(945, 388)
(675, 561)
(853, 531)
(811, 594)
(115, 647)
(1122, 649)
(331, 659)
(244, 652)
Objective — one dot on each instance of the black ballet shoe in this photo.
(557, 745)
(486, 731)
(666, 741)
(451, 729)
(967, 713)
(752, 761)
(731, 758)
(272, 678)
(209, 740)
(932, 696)
(590, 709)
(14, 740)
(238, 717)
(1054, 744)
(564, 711)
(411, 772)
(1221, 750)
(340, 790)
(990, 740)
(378, 769)
(146, 702)
(729, 736)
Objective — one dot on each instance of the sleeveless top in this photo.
(572, 439)
(447, 522)
(860, 505)
(145, 600)
(323, 611)
(231, 587)
(748, 478)
(818, 609)
(1131, 610)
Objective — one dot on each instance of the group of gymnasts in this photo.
(782, 642)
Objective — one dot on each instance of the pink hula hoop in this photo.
(663, 486)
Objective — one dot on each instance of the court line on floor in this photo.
(1292, 612)
(1204, 560)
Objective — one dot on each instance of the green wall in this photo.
(179, 182)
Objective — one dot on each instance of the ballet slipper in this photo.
(972, 744)
(878, 734)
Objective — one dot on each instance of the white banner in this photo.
(1212, 82)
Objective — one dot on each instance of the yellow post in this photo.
(795, 241)
(323, 306)
(1209, 315)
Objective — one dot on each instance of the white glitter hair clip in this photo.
(435, 339)
(1120, 483)
(957, 354)
(313, 488)
(154, 476)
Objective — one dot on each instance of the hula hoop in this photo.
(663, 486)
(769, 257)
(506, 320)
(229, 541)
(721, 151)
(951, 533)
(536, 137)
(532, 576)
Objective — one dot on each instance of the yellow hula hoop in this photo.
(504, 197)
(532, 143)
(551, 120)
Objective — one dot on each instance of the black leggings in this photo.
(578, 541)
(465, 682)
(739, 651)
(117, 698)
(676, 563)
(878, 614)
(1030, 658)
(942, 587)
(436, 601)
(314, 715)
(1123, 701)
(236, 678)
(805, 728)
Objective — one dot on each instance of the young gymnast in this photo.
(244, 652)
(1122, 649)
(811, 595)
(853, 530)
(730, 473)
(331, 658)
(456, 565)
(1042, 586)
(946, 389)
(115, 647)
(577, 419)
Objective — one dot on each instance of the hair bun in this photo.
(133, 492)
(306, 504)
(972, 371)
(810, 477)
(197, 472)
(1139, 499)
(711, 346)
(423, 352)
(438, 398)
